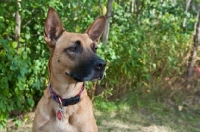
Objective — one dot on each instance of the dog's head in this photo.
(74, 55)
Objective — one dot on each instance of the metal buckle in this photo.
(60, 102)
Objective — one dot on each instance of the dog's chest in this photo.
(64, 126)
(66, 120)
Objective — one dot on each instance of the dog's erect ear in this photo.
(53, 28)
(96, 28)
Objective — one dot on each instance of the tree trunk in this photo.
(107, 27)
(132, 6)
(138, 4)
(18, 24)
(193, 56)
(188, 2)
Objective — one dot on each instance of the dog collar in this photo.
(66, 102)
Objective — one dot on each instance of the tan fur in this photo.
(78, 117)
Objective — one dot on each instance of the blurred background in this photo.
(152, 54)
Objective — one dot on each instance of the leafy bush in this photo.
(22, 75)
(145, 48)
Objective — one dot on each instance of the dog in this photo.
(65, 105)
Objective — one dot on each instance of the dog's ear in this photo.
(53, 28)
(96, 28)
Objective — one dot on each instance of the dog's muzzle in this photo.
(90, 70)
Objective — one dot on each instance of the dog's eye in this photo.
(72, 48)
(75, 47)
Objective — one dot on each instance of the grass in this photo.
(158, 110)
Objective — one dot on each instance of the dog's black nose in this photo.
(100, 64)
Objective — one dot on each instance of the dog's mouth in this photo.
(98, 76)
(93, 76)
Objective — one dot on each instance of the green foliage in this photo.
(147, 46)
(103, 105)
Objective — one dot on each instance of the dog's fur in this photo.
(72, 62)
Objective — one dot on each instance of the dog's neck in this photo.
(64, 86)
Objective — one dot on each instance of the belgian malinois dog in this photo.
(65, 105)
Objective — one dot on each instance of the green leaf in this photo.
(14, 44)
(21, 40)
(30, 102)
(27, 36)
